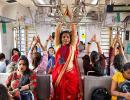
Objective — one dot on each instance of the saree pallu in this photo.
(67, 87)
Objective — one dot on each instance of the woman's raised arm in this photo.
(57, 34)
(74, 34)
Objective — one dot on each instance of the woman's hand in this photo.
(34, 38)
(94, 39)
(10, 93)
(49, 38)
(127, 96)
(114, 41)
(38, 39)
(15, 92)
(34, 42)
(25, 87)
(67, 13)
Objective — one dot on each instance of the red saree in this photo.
(65, 76)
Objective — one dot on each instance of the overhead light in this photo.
(94, 2)
(41, 1)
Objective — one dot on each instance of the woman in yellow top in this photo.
(117, 79)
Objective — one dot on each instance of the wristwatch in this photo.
(19, 88)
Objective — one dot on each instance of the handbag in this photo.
(26, 95)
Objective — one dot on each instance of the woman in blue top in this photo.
(51, 60)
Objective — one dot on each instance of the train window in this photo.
(19, 40)
(22, 38)
(105, 40)
(0, 45)
(121, 32)
(15, 31)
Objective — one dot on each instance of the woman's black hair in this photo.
(24, 58)
(36, 59)
(16, 49)
(97, 64)
(94, 56)
(86, 59)
(86, 63)
(53, 35)
(51, 48)
(126, 66)
(35, 47)
(2, 56)
(49, 56)
(4, 93)
(118, 62)
(63, 33)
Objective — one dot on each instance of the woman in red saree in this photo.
(65, 75)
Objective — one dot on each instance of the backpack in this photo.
(100, 94)
(123, 87)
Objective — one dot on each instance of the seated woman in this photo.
(22, 79)
(2, 63)
(96, 61)
(37, 61)
(15, 55)
(117, 64)
(117, 79)
(12, 66)
(116, 55)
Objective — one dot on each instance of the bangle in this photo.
(89, 42)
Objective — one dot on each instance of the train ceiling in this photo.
(53, 9)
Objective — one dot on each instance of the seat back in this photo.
(3, 77)
(43, 88)
(92, 82)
